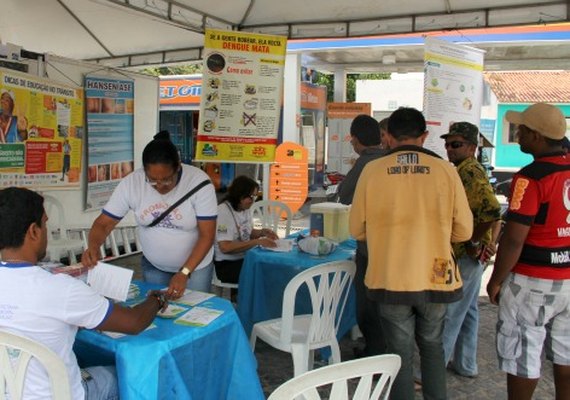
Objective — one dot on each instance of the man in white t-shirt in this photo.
(50, 308)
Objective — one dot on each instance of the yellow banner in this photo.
(246, 42)
(431, 57)
(236, 152)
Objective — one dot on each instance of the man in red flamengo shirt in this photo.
(532, 269)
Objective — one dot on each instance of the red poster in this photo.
(43, 156)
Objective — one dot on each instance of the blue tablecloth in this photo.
(266, 273)
(174, 361)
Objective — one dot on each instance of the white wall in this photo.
(389, 95)
(72, 72)
(291, 98)
(489, 110)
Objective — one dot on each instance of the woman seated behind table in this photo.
(235, 233)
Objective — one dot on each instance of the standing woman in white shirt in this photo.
(235, 233)
(177, 251)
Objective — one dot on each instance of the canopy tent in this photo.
(130, 33)
(530, 47)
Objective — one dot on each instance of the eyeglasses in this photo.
(162, 182)
(455, 145)
(253, 196)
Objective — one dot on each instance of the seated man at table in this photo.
(235, 233)
(50, 308)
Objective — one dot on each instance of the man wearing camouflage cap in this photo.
(531, 277)
(462, 318)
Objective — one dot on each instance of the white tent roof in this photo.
(126, 33)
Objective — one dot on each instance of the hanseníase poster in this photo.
(110, 128)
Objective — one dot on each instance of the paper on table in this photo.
(199, 316)
(171, 311)
(193, 297)
(117, 335)
(110, 281)
(283, 245)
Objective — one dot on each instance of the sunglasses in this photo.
(455, 145)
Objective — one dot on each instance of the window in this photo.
(510, 134)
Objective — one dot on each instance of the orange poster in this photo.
(289, 175)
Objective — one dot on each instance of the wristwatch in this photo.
(185, 271)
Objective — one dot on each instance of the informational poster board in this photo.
(289, 175)
(313, 114)
(41, 132)
(241, 96)
(340, 152)
(453, 88)
(110, 144)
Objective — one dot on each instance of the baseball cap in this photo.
(464, 129)
(544, 118)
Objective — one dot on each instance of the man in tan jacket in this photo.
(410, 206)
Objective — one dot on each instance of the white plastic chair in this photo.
(221, 285)
(15, 355)
(305, 386)
(119, 242)
(328, 285)
(269, 212)
(122, 241)
(61, 243)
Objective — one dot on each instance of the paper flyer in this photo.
(110, 281)
(199, 316)
(118, 335)
(172, 311)
(283, 245)
(194, 297)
